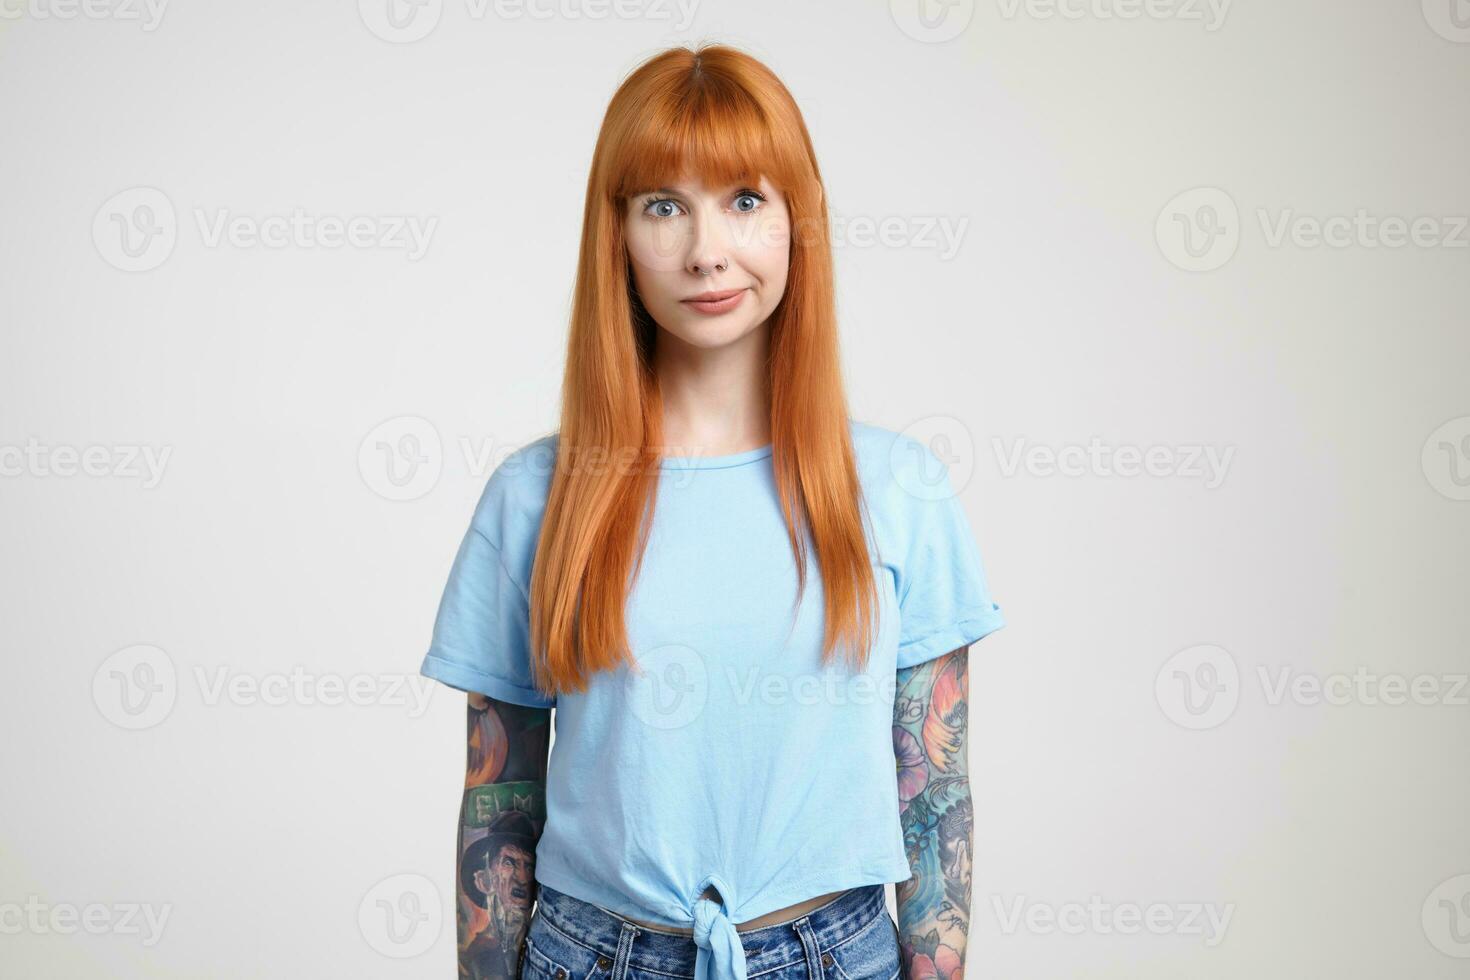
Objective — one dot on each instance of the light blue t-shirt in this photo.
(732, 758)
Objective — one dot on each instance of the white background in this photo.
(1330, 379)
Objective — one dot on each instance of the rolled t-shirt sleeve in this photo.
(481, 639)
(943, 596)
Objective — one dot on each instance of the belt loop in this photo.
(808, 937)
(625, 951)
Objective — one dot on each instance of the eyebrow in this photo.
(675, 190)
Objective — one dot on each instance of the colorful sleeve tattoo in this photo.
(930, 732)
(501, 818)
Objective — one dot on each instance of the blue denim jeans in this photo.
(851, 937)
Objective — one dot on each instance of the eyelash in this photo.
(743, 192)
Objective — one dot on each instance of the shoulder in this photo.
(513, 502)
(907, 492)
(893, 467)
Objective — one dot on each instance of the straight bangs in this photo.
(710, 129)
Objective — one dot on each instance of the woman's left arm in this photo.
(930, 735)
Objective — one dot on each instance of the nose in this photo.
(709, 244)
(708, 266)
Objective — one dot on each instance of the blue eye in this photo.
(754, 196)
(659, 202)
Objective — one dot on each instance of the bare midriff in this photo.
(769, 919)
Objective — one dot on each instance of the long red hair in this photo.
(716, 112)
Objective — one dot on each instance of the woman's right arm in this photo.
(500, 821)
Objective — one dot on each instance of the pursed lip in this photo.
(714, 297)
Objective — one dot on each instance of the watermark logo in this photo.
(303, 688)
(1210, 13)
(1198, 687)
(1199, 230)
(667, 687)
(147, 13)
(124, 461)
(1450, 19)
(406, 21)
(136, 687)
(1204, 920)
(1362, 229)
(135, 230)
(401, 21)
(945, 470)
(932, 21)
(829, 686)
(940, 233)
(1445, 459)
(1361, 687)
(1207, 464)
(1446, 917)
(402, 458)
(401, 916)
(41, 918)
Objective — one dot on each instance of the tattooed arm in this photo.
(930, 733)
(500, 821)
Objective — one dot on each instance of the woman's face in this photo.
(687, 240)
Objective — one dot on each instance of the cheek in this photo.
(654, 249)
(769, 251)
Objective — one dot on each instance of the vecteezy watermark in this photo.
(1362, 229)
(667, 687)
(940, 233)
(937, 21)
(401, 916)
(1199, 687)
(1200, 230)
(1210, 13)
(406, 21)
(401, 458)
(1450, 19)
(1207, 464)
(123, 461)
(1362, 686)
(933, 457)
(667, 250)
(1205, 920)
(1445, 458)
(137, 229)
(1446, 917)
(137, 688)
(409, 233)
(932, 21)
(301, 687)
(148, 13)
(825, 687)
(43, 918)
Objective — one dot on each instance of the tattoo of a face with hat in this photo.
(501, 818)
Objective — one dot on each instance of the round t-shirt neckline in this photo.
(716, 462)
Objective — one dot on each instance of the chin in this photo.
(711, 332)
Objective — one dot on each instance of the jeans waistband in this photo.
(766, 948)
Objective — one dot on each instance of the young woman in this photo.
(750, 612)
